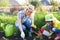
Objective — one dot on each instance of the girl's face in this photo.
(50, 22)
(28, 12)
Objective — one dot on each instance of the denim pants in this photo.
(57, 31)
(26, 25)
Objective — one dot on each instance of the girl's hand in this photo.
(49, 37)
(51, 32)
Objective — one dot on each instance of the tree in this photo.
(36, 3)
(4, 3)
(55, 5)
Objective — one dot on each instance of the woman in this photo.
(25, 21)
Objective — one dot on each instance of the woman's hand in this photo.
(34, 26)
(21, 29)
(23, 35)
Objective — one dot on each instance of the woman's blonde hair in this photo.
(29, 7)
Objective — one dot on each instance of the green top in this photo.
(46, 28)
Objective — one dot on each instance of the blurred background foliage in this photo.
(4, 3)
(39, 18)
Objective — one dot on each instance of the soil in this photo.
(17, 37)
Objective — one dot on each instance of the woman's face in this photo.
(28, 12)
